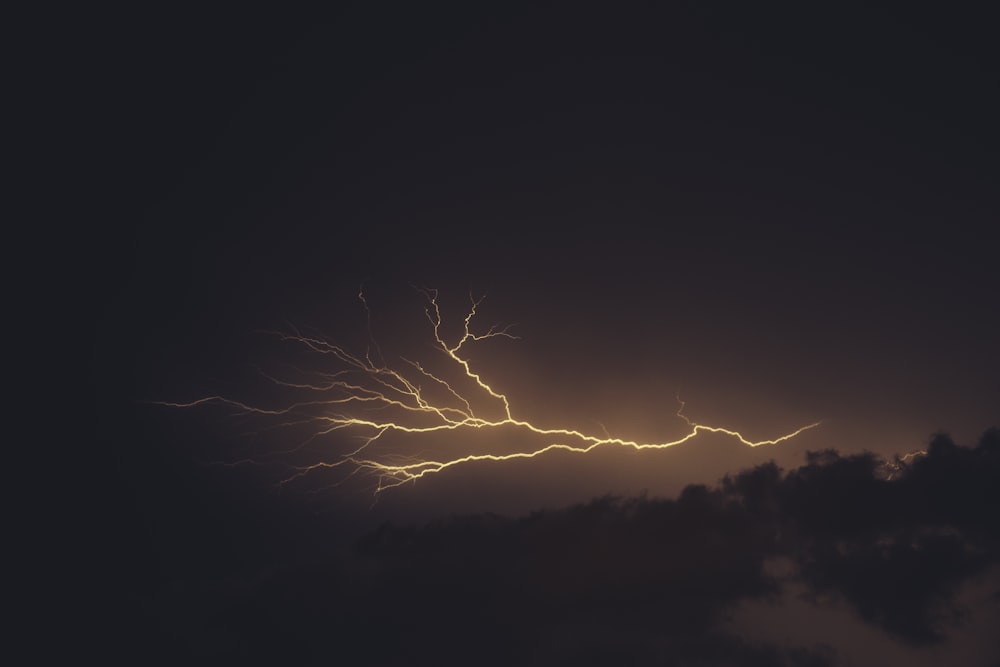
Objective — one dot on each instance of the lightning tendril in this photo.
(368, 398)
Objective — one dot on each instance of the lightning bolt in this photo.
(892, 468)
(383, 405)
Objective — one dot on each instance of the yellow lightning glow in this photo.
(374, 400)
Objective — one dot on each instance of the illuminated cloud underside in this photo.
(372, 399)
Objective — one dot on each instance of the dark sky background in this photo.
(786, 215)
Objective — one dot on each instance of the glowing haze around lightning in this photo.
(365, 396)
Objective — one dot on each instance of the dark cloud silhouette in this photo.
(896, 549)
(608, 574)
(641, 581)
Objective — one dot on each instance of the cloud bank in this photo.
(640, 581)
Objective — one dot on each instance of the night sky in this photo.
(781, 216)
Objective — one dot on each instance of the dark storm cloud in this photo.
(650, 581)
(610, 582)
(628, 581)
(622, 578)
(897, 549)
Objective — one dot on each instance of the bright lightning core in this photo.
(391, 407)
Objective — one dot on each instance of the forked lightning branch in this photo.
(389, 406)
